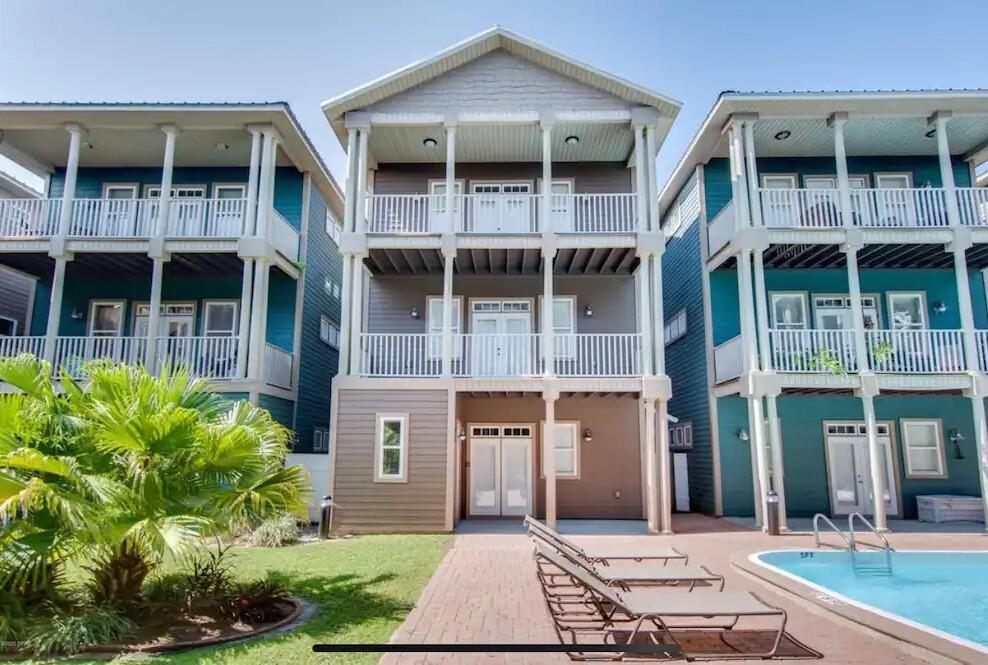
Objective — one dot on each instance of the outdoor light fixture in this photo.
(930, 134)
(956, 437)
(588, 312)
(743, 434)
(461, 435)
(89, 146)
(415, 312)
(939, 307)
(430, 142)
(77, 315)
(219, 145)
(587, 435)
(782, 135)
(572, 140)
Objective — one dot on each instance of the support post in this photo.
(837, 121)
(346, 298)
(857, 313)
(739, 190)
(360, 212)
(450, 178)
(55, 308)
(657, 342)
(154, 312)
(875, 463)
(761, 305)
(641, 177)
(665, 468)
(546, 207)
(447, 343)
(549, 460)
(759, 457)
(939, 120)
(71, 176)
(778, 475)
(651, 468)
(653, 179)
(265, 197)
(981, 441)
(548, 329)
(165, 197)
(748, 332)
(353, 160)
(644, 313)
(243, 334)
(250, 221)
(258, 320)
(356, 310)
(752, 171)
(959, 250)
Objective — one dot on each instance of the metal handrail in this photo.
(816, 530)
(850, 529)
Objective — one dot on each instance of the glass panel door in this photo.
(517, 208)
(516, 475)
(119, 212)
(485, 497)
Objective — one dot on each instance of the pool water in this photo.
(946, 591)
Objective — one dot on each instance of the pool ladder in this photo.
(861, 566)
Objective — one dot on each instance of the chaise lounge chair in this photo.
(605, 554)
(608, 610)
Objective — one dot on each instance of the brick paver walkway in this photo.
(485, 590)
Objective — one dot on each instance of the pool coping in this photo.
(868, 616)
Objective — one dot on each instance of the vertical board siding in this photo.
(319, 362)
(416, 505)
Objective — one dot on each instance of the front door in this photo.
(850, 478)
(500, 470)
(502, 344)
(503, 208)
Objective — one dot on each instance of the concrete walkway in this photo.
(485, 590)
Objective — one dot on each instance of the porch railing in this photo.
(973, 205)
(594, 213)
(922, 207)
(916, 207)
(72, 353)
(813, 208)
(206, 357)
(813, 350)
(981, 343)
(728, 360)
(720, 229)
(400, 355)
(278, 366)
(481, 355)
(284, 236)
(15, 346)
(29, 218)
(406, 214)
(598, 355)
(916, 351)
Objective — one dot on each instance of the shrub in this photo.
(13, 618)
(256, 602)
(276, 531)
(69, 632)
(210, 575)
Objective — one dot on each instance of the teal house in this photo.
(825, 262)
(193, 235)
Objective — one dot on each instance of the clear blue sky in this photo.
(306, 52)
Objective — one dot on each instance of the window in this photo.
(178, 192)
(391, 451)
(329, 332)
(681, 435)
(778, 181)
(120, 192)
(220, 318)
(332, 228)
(237, 191)
(320, 440)
(434, 325)
(564, 326)
(788, 311)
(567, 449)
(923, 442)
(907, 311)
(676, 328)
(8, 327)
(106, 318)
(833, 312)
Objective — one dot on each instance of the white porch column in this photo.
(939, 121)
(71, 175)
(665, 468)
(349, 205)
(778, 475)
(154, 312)
(450, 177)
(959, 249)
(752, 171)
(837, 122)
(360, 211)
(345, 300)
(657, 342)
(651, 468)
(547, 328)
(265, 194)
(875, 463)
(549, 460)
(258, 319)
(243, 334)
(641, 177)
(356, 311)
(447, 345)
(857, 313)
(55, 307)
(250, 221)
(545, 209)
(644, 313)
(739, 189)
(748, 326)
(653, 180)
(759, 457)
(165, 197)
(761, 306)
(981, 441)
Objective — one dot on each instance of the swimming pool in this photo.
(939, 592)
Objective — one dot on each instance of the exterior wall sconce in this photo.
(461, 435)
(588, 312)
(77, 315)
(743, 434)
(782, 135)
(956, 437)
(415, 312)
(939, 307)
(587, 435)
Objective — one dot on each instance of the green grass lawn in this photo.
(364, 587)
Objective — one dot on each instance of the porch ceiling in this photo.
(501, 261)
(125, 265)
(870, 256)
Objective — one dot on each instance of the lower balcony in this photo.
(499, 355)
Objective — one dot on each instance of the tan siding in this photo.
(416, 505)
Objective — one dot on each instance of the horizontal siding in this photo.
(15, 297)
(416, 505)
(282, 410)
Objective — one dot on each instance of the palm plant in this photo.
(139, 468)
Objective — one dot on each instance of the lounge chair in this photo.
(608, 610)
(606, 554)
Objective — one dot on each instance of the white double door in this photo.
(503, 208)
(500, 470)
(851, 488)
(501, 343)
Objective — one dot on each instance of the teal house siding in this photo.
(725, 309)
(282, 410)
(716, 186)
(281, 310)
(320, 362)
(686, 359)
(925, 170)
(737, 492)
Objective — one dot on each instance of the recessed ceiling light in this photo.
(572, 140)
(782, 135)
(930, 134)
(219, 145)
(430, 142)
(89, 146)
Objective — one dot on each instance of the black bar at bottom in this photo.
(496, 648)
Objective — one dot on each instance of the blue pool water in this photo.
(947, 591)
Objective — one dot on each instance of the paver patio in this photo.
(485, 590)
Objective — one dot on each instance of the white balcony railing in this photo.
(916, 351)
(594, 213)
(15, 346)
(284, 236)
(482, 355)
(499, 213)
(728, 360)
(72, 353)
(812, 208)
(813, 351)
(405, 214)
(400, 355)
(205, 357)
(598, 355)
(922, 207)
(29, 218)
(721, 229)
(973, 205)
(278, 366)
(981, 343)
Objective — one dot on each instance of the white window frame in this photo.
(93, 304)
(577, 439)
(677, 327)
(135, 314)
(905, 425)
(402, 475)
(890, 296)
(154, 191)
(681, 435)
(804, 299)
(876, 306)
(206, 304)
(216, 186)
(791, 178)
(331, 325)
(893, 174)
(132, 187)
(435, 352)
(13, 326)
(320, 439)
